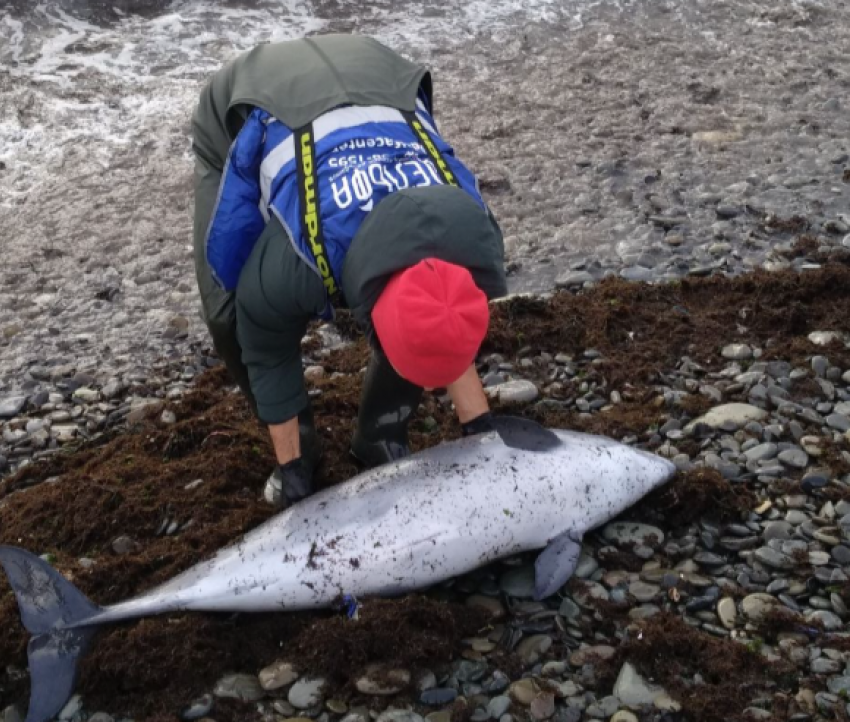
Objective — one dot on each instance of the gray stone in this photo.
(756, 606)
(838, 421)
(737, 352)
(727, 612)
(123, 545)
(830, 620)
(773, 558)
(824, 665)
(777, 530)
(277, 675)
(518, 582)
(382, 682)
(306, 692)
(439, 696)
(245, 687)
(12, 406)
(517, 392)
(633, 690)
(498, 706)
(199, 708)
(628, 533)
(399, 715)
(574, 278)
(72, 708)
(761, 452)
(735, 415)
(839, 685)
(796, 458)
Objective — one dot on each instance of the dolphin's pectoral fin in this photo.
(524, 434)
(556, 564)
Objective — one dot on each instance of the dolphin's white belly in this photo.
(438, 514)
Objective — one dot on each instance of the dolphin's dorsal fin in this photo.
(556, 564)
(523, 434)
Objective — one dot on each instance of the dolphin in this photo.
(406, 525)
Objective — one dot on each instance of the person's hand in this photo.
(288, 483)
(479, 425)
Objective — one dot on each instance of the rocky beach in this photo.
(673, 182)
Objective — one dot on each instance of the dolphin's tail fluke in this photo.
(49, 605)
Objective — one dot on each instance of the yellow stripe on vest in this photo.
(310, 211)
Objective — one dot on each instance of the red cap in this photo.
(431, 319)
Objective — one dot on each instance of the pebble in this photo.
(524, 691)
(773, 558)
(12, 406)
(532, 648)
(543, 706)
(727, 612)
(795, 457)
(518, 582)
(399, 715)
(245, 687)
(623, 716)
(629, 533)
(72, 707)
(438, 696)
(381, 682)
(756, 606)
(735, 415)
(199, 708)
(498, 706)
(633, 690)
(306, 692)
(277, 675)
(830, 620)
(516, 392)
(737, 352)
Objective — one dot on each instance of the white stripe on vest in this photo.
(347, 117)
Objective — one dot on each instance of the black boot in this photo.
(386, 406)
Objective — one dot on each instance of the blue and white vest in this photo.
(363, 153)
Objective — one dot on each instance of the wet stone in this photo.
(382, 682)
(543, 706)
(588, 592)
(399, 715)
(498, 706)
(737, 352)
(839, 422)
(628, 533)
(773, 558)
(756, 606)
(830, 620)
(306, 693)
(516, 392)
(727, 612)
(277, 675)
(524, 691)
(632, 689)
(199, 708)
(438, 696)
(245, 687)
(644, 592)
(796, 458)
(532, 648)
(12, 406)
(518, 582)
